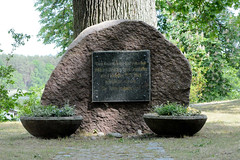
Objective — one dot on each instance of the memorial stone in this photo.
(72, 79)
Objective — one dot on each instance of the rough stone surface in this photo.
(139, 132)
(71, 79)
(117, 135)
(100, 134)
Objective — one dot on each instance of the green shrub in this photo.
(174, 109)
(32, 98)
(7, 102)
(49, 111)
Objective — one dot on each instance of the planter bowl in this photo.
(51, 127)
(174, 125)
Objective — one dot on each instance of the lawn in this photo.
(219, 139)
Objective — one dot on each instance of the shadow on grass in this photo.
(220, 128)
(232, 107)
(152, 136)
(17, 137)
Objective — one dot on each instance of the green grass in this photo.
(219, 139)
(17, 144)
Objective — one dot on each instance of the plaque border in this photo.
(149, 77)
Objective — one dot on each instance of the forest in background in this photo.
(30, 71)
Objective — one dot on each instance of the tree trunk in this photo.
(89, 12)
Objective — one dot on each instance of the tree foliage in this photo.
(8, 102)
(57, 22)
(208, 34)
(204, 13)
(30, 71)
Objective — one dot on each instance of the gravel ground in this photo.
(141, 150)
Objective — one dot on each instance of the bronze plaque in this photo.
(121, 76)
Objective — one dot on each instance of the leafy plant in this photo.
(57, 23)
(8, 102)
(174, 109)
(210, 43)
(33, 99)
(49, 111)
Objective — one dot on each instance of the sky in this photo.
(22, 16)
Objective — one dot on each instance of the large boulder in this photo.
(71, 79)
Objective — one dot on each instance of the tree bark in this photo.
(90, 12)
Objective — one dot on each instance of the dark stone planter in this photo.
(174, 125)
(51, 127)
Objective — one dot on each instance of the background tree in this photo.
(89, 12)
(208, 34)
(29, 71)
(7, 101)
(57, 17)
(57, 22)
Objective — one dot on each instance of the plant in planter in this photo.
(50, 121)
(172, 119)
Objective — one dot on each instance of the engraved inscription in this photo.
(121, 76)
